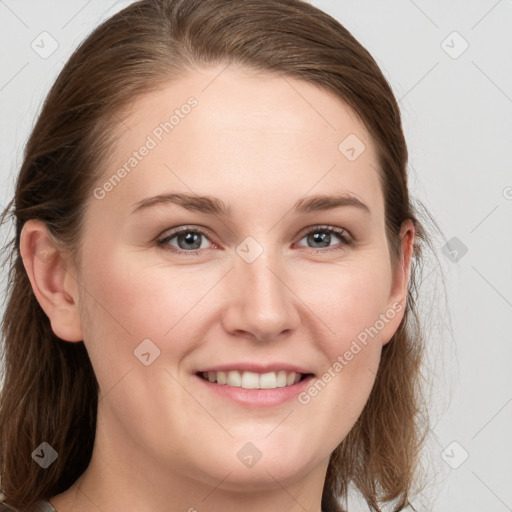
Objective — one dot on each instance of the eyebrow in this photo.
(213, 205)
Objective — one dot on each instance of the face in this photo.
(258, 277)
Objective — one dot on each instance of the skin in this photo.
(164, 442)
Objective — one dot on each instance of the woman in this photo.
(212, 291)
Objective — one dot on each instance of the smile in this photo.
(253, 380)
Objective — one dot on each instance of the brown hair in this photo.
(50, 392)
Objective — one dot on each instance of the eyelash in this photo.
(346, 238)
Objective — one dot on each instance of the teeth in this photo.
(268, 380)
(252, 380)
(281, 379)
(234, 378)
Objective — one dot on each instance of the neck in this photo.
(122, 477)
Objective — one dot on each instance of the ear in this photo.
(52, 280)
(395, 310)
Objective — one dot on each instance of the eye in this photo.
(188, 240)
(322, 236)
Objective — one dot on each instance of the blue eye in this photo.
(191, 240)
(322, 235)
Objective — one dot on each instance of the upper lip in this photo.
(256, 368)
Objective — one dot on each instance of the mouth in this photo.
(254, 380)
(251, 384)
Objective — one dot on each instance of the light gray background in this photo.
(457, 112)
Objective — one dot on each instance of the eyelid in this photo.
(326, 227)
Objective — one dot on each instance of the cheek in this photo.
(136, 299)
(349, 303)
(119, 312)
(347, 298)
(128, 301)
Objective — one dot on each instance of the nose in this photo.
(261, 302)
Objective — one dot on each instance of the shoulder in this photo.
(3, 506)
(41, 506)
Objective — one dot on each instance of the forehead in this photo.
(260, 135)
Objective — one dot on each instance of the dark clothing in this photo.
(42, 506)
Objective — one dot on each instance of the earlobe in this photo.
(400, 282)
(53, 285)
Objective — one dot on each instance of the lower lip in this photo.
(258, 397)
